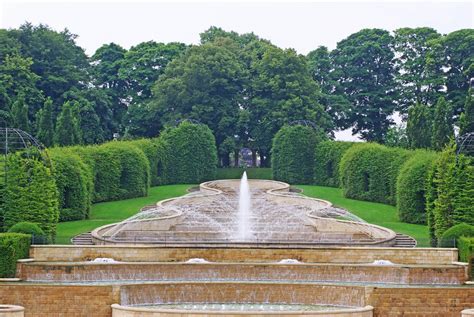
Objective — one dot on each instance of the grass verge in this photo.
(114, 211)
(235, 172)
(376, 213)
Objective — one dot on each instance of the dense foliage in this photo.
(190, 154)
(411, 187)
(74, 183)
(243, 87)
(30, 194)
(466, 250)
(450, 193)
(13, 246)
(152, 150)
(369, 172)
(327, 156)
(293, 154)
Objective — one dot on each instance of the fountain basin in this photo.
(11, 311)
(231, 310)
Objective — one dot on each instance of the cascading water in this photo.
(244, 230)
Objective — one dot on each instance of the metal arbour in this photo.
(15, 140)
(465, 144)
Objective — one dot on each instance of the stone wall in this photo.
(76, 272)
(416, 301)
(427, 256)
(61, 300)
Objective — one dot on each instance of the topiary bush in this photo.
(450, 192)
(27, 228)
(74, 182)
(327, 157)
(449, 237)
(30, 194)
(13, 246)
(189, 154)
(411, 187)
(369, 171)
(293, 154)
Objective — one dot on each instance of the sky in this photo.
(302, 25)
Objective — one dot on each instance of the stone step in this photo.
(404, 241)
(82, 239)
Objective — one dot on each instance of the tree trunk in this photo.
(254, 158)
(225, 160)
(236, 158)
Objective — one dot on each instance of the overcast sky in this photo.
(303, 25)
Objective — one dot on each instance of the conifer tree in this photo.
(442, 129)
(20, 113)
(466, 121)
(45, 124)
(419, 126)
(67, 127)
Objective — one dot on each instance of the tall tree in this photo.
(364, 64)
(58, 61)
(20, 113)
(45, 124)
(67, 126)
(204, 84)
(282, 91)
(466, 121)
(419, 126)
(140, 69)
(417, 84)
(106, 64)
(17, 78)
(332, 97)
(452, 54)
(442, 130)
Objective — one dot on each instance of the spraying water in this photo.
(244, 232)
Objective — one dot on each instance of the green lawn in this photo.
(114, 211)
(379, 214)
(235, 172)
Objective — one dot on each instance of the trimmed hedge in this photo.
(26, 228)
(449, 237)
(13, 246)
(120, 170)
(411, 187)
(466, 251)
(30, 194)
(450, 192)
(293, 154)
(74, 182)
(189, 154)
(153, 152)
(369, 172)
(326, 162)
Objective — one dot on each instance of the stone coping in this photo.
(250, 264)
(467, 312)
(11, 308)
(367, 308)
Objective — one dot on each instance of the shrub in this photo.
(26, 228)
(74, 183)
(411, 188)
(189, 154)
(326, 162)
(451, 192)
(30, 194)
(449, 237)
(13, 246)
(150, 148)
(293, 154)
(369, 172)
(466, 251)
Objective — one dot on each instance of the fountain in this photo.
(244, 232)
